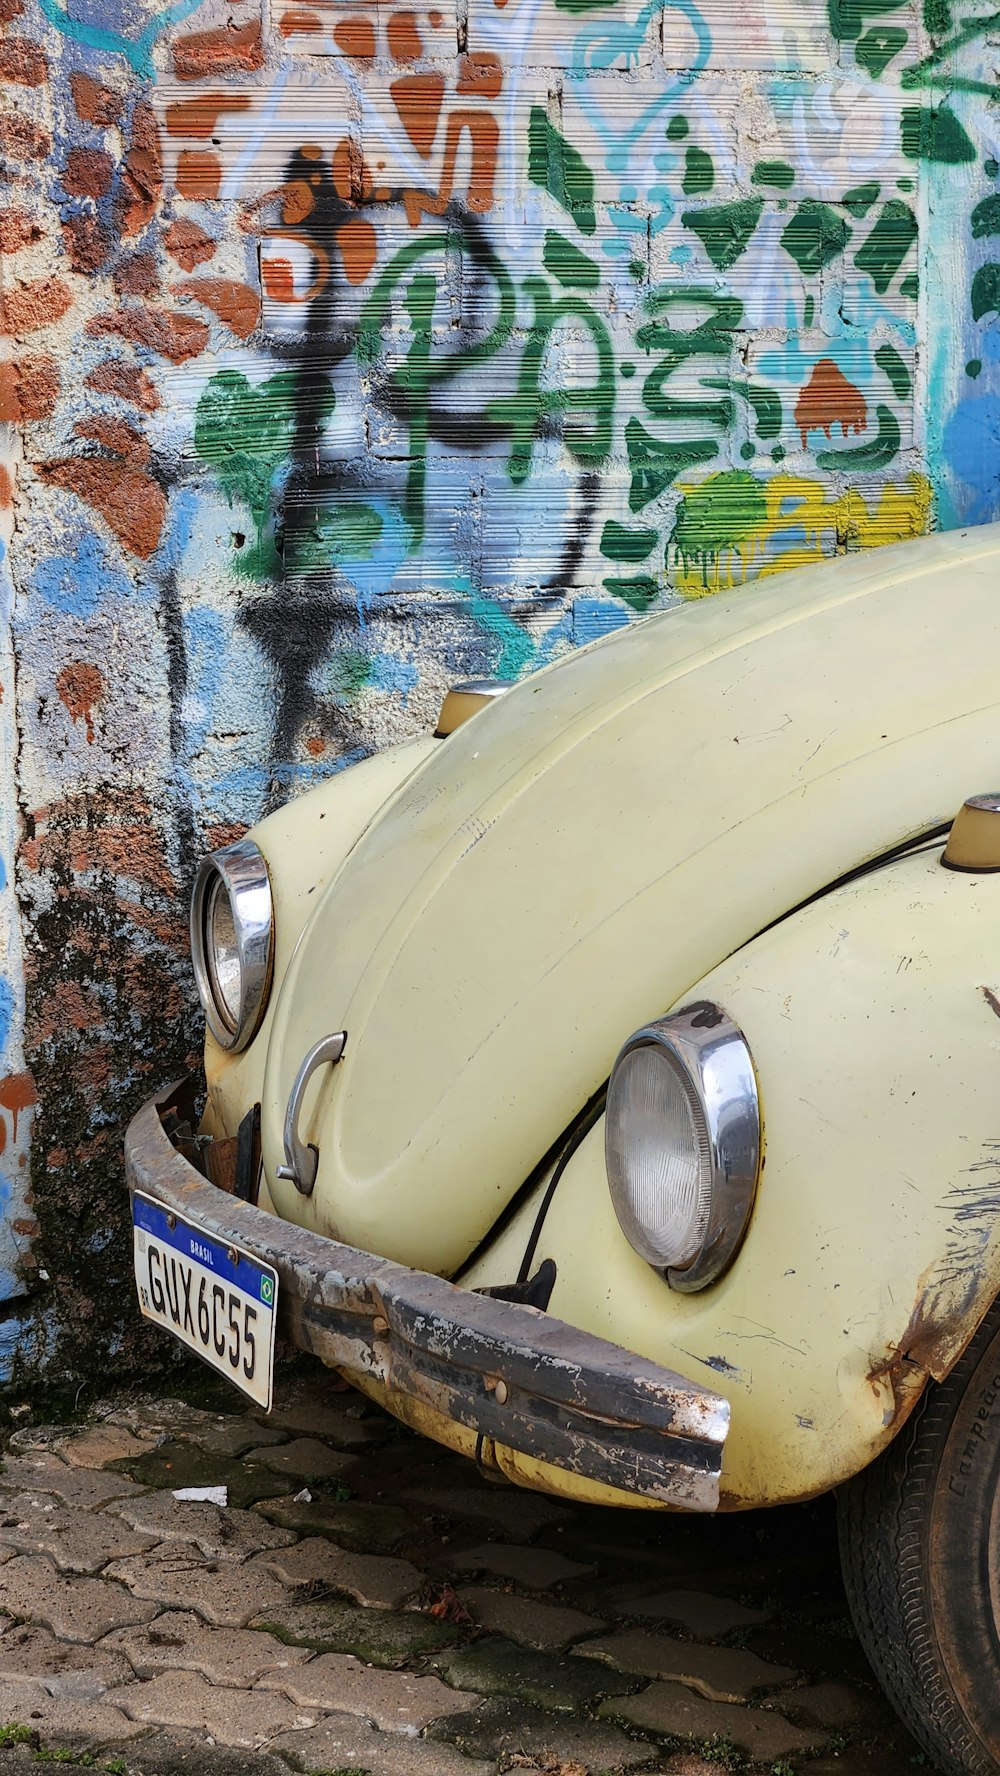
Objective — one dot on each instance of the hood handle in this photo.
(302, 1160)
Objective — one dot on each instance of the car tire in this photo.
(920, 1553)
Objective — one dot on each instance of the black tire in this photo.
(920, 1552)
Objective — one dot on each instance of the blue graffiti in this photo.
(76, 583)
(138, 51)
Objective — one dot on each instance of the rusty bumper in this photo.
(502, 1370)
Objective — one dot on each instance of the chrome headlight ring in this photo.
(683, 1143)
(232, 942)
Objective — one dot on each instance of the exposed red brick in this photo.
(141, 173)
(131, 503)
(89, 172)
(6, 488)
(115, 434)
(137, 276)
(29, 389)
(10, 9)
(23, 139)
(198, 117)
(87, 242)
(27, 307)
(174, 336)
(23, 63)
(116, 377)
(95, 103)
(232, 49)
(199, 175)
(234, 303)
(18, 229)
(188, 244)
(223, 833)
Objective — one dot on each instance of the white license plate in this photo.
(216, 1298)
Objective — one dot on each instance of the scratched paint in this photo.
(346, 351)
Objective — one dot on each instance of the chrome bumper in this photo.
(503, 1370)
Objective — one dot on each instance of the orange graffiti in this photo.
(829, 399)
(351, 178)
(17, 1093)
(356, 37)
(293, 21)
(198, 117)
(480, 75)
(418, 99)
(404, 37)
(234, 303)
(484, 133)
(358, 245)
(278, 281)
(199, 175)
(80, 685)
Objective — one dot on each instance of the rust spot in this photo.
(28, 307)
(189, 244)
(356, 37)
(87, 242)
(80, 685)
(232, 49)
(89, 172)
(991, 999)
(131, 504)
(137, 276)
(23, 139)
(198, 117)
(234, 303)
(482, 74)
(29, 389)
(829, 399)
(23, 63)
(115, 434)
(141, 173)
(18, 229)
(174, 336)
(95, 103)
(116, 377)
(199, 175)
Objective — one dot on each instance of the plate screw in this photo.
(500, 1393)
(171, 1222)
(379, 1324)
(232, 1254)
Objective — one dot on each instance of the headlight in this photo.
(682, 1143)
(231, 941)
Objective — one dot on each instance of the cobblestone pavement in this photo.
(367, 1603)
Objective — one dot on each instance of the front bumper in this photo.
(505, 1372)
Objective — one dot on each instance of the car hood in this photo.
(572, 861)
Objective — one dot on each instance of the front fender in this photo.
(873, 1016)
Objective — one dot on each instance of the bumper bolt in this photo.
(379, 1324)
(500, 1393)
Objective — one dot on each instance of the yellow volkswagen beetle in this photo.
(610, 1086)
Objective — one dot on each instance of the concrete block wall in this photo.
(349, 349)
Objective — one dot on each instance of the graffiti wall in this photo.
(349, 349)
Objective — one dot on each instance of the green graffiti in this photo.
(986, 290)
(655, 466)
(891, 238)
(986, 217)
(246, 432)
(937, 17)
(910, 286)
(677, 129)
(531, 406)
(349, 672)
(765, 402)
(991, 168)
(877, 454)
(876, 49)
(699, 172)
(725, 512)
(726, 230)
(638, 592)
(891, 364)
(935, 135)
(808, 311)
(774, 172)
(517, 649)
(847, 17)
(619, 543)
(814, 236)
(938, 68)
(560, 170)
(973, 367)
(341, 533)
(858, 201)
(571, 268)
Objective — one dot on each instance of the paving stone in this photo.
(77, 1540)
(355, 1524)
(232, 1436)
(374, 1579)
(722, 1674)
(495, 1666)
(29, 1702)
(818, 1705)
(45, 1472)
(378, 1637)
(66, 1668)
(525, 1619)
(176, 1464)
(515, 1513)
(343, 1743)
(537, 1569)
(221, 1533)
(320, 1413)
(396, 1701)
(180, 1641)
(176, 1575)
(35, 1437)
(502, 1728)
(186, 1699)
(103, 1443)
(704, 1616)
(670, 1708)
(306, 1458)
(74, 1608)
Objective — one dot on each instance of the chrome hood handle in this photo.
(302, 1160)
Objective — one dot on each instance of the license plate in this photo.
(216, 1298)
